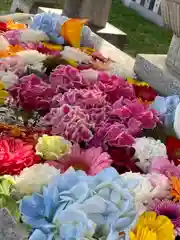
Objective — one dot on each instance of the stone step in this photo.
(110, 33)
(152, 69)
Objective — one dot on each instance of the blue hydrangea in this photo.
(50, 23)
(166, 107)
(77, 206)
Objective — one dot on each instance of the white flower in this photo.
(34, 36)
(8, 78)
(32, 179)
(146, 149)
(139, 185)
(32, 58)
(90, 74)
(4, 44)
(75, 54)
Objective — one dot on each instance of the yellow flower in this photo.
(3, 93)
(16, 26)
(87, 50)
(52, 46)
(52, 147)
(153, 227)
(137, 83)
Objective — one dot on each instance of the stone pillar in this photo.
(72, 8)
(97, 11)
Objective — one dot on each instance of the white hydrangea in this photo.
(146, 149)
(34, 36)
(8, 78)
(32, 179)
(75, 54)
(32, 58)
(140, 187)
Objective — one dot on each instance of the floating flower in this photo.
(8, 78)
(147, 149)
(32, 93)
(163, 166)
(169, 209)
(175, 188)
(3, 26)
(52, 147)
(32, 179)
(151, 226)
(15, 155)
(91, 161)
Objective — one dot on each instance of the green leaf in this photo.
(9, 203)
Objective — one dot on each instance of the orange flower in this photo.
(11, 25)
(11, 51)
(87, 50)
(175, 188)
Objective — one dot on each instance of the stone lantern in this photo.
(162, 72)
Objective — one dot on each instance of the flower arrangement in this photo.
(80, 153)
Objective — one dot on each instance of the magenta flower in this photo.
(136, 115)
(65, 77)
(70, 122)
(92, 160)
(32, 94)
(164, 166)
(115, 87)
(169, 209)
(13, 37)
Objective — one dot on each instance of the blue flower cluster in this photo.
(166, 107)
(75, 206)
(50, 23)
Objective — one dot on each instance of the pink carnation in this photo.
(70, 122)
(92, 160)
(65, 77)
(32, 93)
(164, 166)
(115, 87)
(135, 115)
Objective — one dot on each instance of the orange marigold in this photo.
(175, 188)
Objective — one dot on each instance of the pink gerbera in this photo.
(92, 160)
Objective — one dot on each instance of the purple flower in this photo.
(169, 209)
(32, 94)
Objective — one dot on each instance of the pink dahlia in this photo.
(66, 77)
(71, 122)
(15, 155)
(92, 160)
(169, 209)
(164, 166)
(115, 87)
(32, 93)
